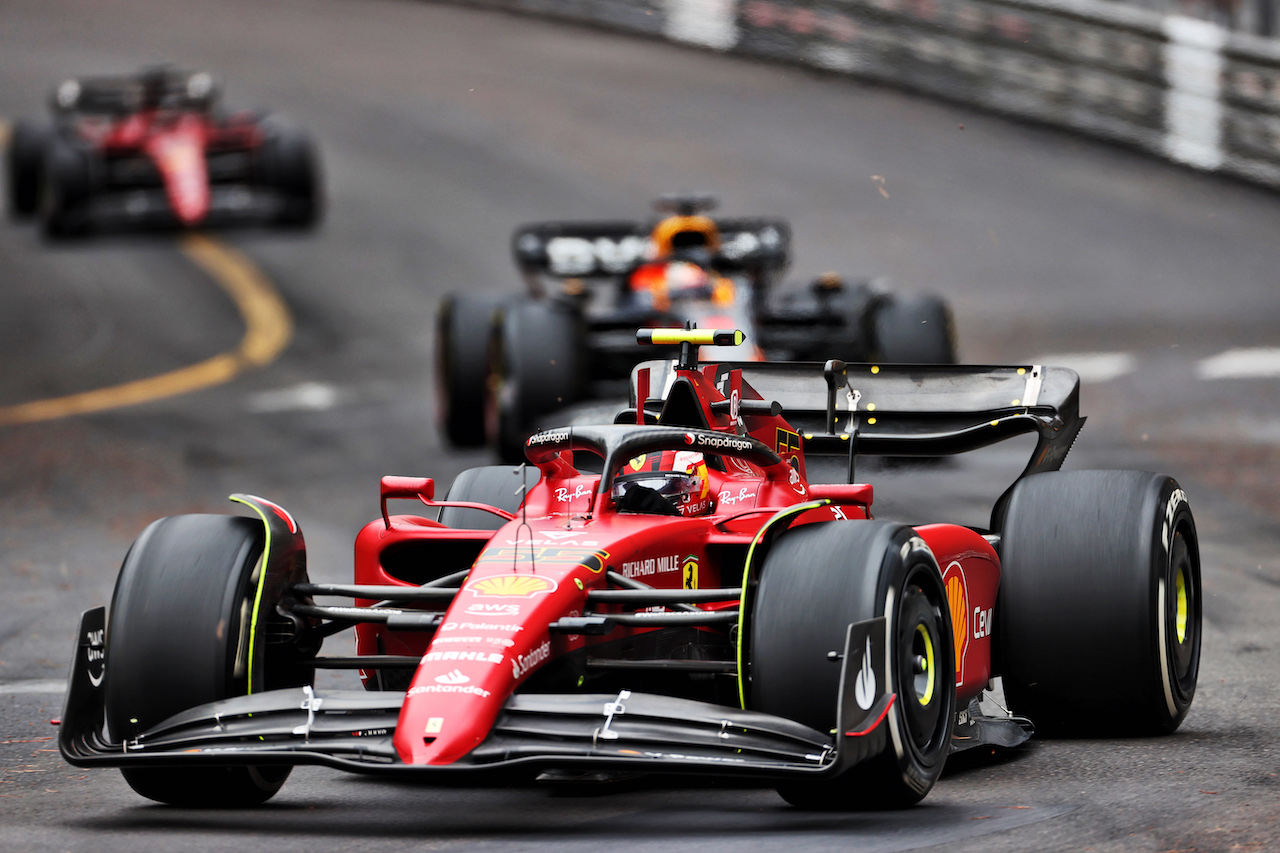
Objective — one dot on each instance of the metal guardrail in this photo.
(1181, 88)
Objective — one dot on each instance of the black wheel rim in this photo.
(1182, 617)
(920, 663)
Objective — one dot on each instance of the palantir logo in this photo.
(455, 677)
(864, 688)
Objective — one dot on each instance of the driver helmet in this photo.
(685, 235)
(678, 477)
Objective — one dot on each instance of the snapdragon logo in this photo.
(717, 442)
(554, 436)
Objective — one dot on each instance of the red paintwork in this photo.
(540, 566)
(177, 142)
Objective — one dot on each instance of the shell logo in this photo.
(958, 603)
(513, 586)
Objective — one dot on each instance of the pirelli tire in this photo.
(501, 486)
(179, 635)
(816, 580)
(917, 329)
(463, 329)
(68, 177)
(1098, 621)
(288, 163)
(537, 365)
(24, 161)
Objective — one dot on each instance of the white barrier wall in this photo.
(1177, 87)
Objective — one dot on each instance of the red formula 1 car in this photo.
(154, 148)
(699, 605)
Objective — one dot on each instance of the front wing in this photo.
(352, 730)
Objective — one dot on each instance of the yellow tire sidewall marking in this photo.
(268, 330)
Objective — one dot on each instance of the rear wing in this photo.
(909, 409)
(604, 249)
(122, 95)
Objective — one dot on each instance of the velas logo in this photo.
(512, 586)
(455, 677)
(958, 602)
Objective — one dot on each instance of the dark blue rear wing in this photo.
(613, 248)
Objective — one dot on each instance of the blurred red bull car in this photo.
(504, 365)
(156, 149)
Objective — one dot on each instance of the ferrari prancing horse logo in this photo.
(689, 572)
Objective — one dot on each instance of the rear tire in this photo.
(915, 330)
(537, 358)
(463, 328)
(23, 160)
(179, 635)
(815, 581)
(1099, 606)
(495, 485)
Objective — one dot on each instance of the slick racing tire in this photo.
(463, 328)
(500, 486)
(815, 581)
(288, 163)
(179, 635)
(67, 178)
(537, 364)
(23, 162)
(1099, 612)
(914, 330)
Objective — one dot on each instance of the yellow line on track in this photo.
(268, 330)
(5, 131)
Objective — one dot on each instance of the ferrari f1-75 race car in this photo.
(155, 148)
(698, 605)
(503, 367)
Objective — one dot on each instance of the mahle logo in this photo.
(513, 586)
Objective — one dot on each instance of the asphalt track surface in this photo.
(443, 127)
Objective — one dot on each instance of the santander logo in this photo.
(455, 677)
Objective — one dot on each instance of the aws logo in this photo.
(513, 586)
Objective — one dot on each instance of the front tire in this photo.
(24, 159)
(1099, 607)
(67, 179)
(180, 634)
(815, 581)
